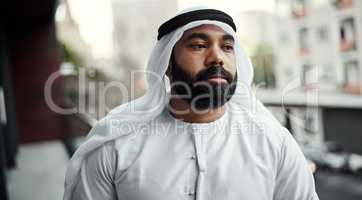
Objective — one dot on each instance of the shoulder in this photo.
(120, 135)
(285, 147)
(105, 152)
(126, 139)
(102, 162)
(114, 127)
(262, 124)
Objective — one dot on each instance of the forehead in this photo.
(208, 29)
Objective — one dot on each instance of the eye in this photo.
(228, 47)
(197, 46)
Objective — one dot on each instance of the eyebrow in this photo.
(202, 36)
(205, 37)
(228, 37)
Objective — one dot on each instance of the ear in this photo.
(168, 71)
(169, 67)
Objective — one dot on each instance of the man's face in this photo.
(202, 68)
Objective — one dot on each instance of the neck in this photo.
(183, 111)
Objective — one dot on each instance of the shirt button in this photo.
(191, 193)
(193, 157)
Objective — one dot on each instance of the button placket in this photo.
(198, 137)
(191, 193)
(200, 152)
(190, 188)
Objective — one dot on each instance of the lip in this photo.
(218, 76)
(219, 79)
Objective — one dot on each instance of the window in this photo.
(341, 4)
(299, 8)
(323, 34)
(352, 78)
(303, 41)
(347, 35)
(284, 38)
(351, 73)
(306, 76)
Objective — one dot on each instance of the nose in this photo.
(214, 56)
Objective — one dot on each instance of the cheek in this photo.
(231, 63)
(192, 63)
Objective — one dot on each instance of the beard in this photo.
(197, 91)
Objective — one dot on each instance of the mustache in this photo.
(214, 70)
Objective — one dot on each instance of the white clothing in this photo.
(261, 162)
(231, 158)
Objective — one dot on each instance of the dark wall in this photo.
(33, 54)
(344, 126)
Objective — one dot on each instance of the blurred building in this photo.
(69, 35)
(317, 46)
(132, 35)
(324, 39)
(257, 26)
(260, 33)
(135, 33)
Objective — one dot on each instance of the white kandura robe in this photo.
(235, 157)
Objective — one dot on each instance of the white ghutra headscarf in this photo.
(156, 98)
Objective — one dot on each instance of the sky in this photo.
(95, 21)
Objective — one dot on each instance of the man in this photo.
(198, 132)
